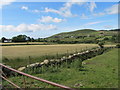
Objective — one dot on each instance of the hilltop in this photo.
(82, 32)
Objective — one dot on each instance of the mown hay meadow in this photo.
(17, 56)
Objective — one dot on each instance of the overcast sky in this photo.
(43, 19)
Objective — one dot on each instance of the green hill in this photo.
(84, 36)
(83, 32)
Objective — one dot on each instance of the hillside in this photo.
(84, 36)
(83, 32)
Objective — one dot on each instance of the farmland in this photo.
(23, 43)
(37, 53)
(85, 36)
(84, 71)
(40, 50)
(97, 72)
(71, 45)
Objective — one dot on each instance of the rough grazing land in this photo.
(40, 50)
(98, 72)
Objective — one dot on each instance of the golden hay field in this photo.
(40, 50)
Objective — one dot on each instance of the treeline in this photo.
(95, 39)
(22, 38)
(19, 38)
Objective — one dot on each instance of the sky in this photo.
(43, 19)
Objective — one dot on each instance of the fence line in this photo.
(36, 78)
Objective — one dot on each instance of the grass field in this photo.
(23, 43)
(40, 50)
(98, 72)
(17, 56)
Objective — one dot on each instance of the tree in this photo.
(32, 39)
(3, 39)
(115, 39)
(101, 44)
(118, 46)
(28, 39)
(21, 38)
(106, 38)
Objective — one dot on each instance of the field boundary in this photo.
(81, 55)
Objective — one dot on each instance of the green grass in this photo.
(98, 72)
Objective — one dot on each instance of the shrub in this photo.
(118, 46)
(101, 44)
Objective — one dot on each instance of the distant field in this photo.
(22, 43)
(40, 50)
